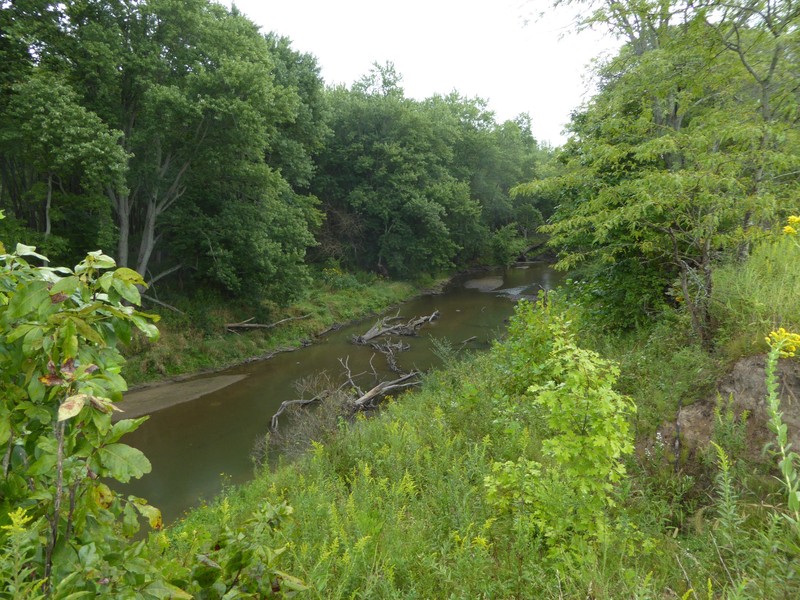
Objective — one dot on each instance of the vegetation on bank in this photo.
(196, 339)
(215, 161)
(511, 474)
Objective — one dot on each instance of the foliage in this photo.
(60, 379)
(684, 149)
(182, 121)
(783, 343)
(413, 187)
(758, 294)
(585, 438)
(237, 562)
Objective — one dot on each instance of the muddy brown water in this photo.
(201, 432)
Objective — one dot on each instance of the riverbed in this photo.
(201, 432)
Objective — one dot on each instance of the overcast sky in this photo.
(478, 47)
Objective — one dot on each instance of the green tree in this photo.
(660, 168)
(63, 143)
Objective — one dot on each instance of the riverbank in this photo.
(189, 345)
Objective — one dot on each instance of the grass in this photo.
(756, 296)
(396, 506)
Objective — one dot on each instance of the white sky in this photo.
(478, 47)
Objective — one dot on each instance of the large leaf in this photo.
(72, 406)
(124, 462)
(166, 591)
(23, 250)
(28, 299)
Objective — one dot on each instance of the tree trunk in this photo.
(148, 242)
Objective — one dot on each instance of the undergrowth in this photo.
(475, 487)
(195, 339)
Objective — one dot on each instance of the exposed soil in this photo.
(746, 388)
(145, 401)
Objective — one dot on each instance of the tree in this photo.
(660, 168)
(65, 144)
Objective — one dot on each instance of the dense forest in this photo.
(210, 160)
(200, 152)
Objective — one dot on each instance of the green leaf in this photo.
(43, 465)
(150, 330)
(5, 429)
(152, 514)
(129, 276)
(166, 591)
(124, 462)
(23, 250)
(98, 260)
(67, 285)
(127, 291)
(125, 426)
(86, 331)
(28, 299)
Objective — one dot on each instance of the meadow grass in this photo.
(395, 506)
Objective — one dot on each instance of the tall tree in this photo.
(660, 167)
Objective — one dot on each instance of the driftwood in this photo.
(287, 403)
(389, 350)
(385, 387)
(362, 401)
(389, 326)
(246, 324)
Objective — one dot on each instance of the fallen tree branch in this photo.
(384, 327)
(164, 304)
(383, 388)
(246, 324)
(388, 349)
(287, 403)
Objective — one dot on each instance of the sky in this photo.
(494, 49)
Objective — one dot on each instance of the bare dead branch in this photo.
(164, 304)
(385, 327)
(301, 402)
(385, 387)
(246, 324)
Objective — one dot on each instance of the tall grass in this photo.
(757, 295)
(396, 506)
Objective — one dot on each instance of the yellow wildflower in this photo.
(794, 220)
(789, 230)
(785, 341)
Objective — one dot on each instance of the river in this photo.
(204, 438)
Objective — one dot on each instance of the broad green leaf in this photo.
(67, 285)
(124, 462)
(99, 260)
(72, 406)
(33, 341)
(152, 514)
(128, 276)
(86, 331)
(124, 427)
(127, 291)
(23, 250)
(291, 582)
(150, 330)
(5, 429)
(19, 331)
(43, 465)
(166, 591)
(28, 299)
